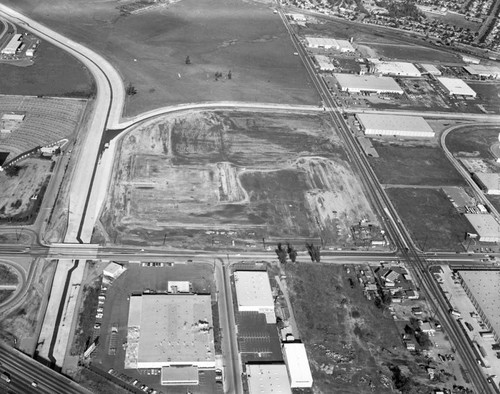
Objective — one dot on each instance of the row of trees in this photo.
(290, 252)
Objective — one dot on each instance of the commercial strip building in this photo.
(483, 288)
(481, 70)
(430, 69)
(485, 226)
(403, 69)
(395, 125)
(297, 364)
(253, 293)
(171, 330)
(488, 182)
(13, 45)
(268, 378)
(367, 84)
(456, 87)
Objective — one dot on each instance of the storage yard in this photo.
(231, 179)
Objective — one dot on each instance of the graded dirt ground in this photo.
(54, 73)
(150, 48)
(17, 196)
(432, 220)
(419, 165)
(350, 342)
(232, 179)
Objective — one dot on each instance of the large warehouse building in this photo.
(13, 45)
(322, 42)
(456, 87)
(297, 363)
(324, 63)
(253, 293)
(402, 69)
(483, 288)
(488, 182)
(268, 378)
(367, 83)
(485, 226)
(480, 70)
(395, 125)
(167, 330)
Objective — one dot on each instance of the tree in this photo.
(12, 171)
(314, 252)
(292, 253)
(188, 60)
(281, 253)
(131, 90)
(229, 75)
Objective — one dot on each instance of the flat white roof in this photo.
(324, 62)
(113, 269)
(180, 286)
(345, 45)
(368, 83)
(490, 180)
(13, 44)
(482, 70)
(253, 290)
(322, 42)
(456, 86)
(268, 378)
(485, 225)
(395, 68)
(430, 68)
(173, 329)
(179, 375)
(394, 123)
(485, 287)
(298, 364)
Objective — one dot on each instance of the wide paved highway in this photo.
(23, 371)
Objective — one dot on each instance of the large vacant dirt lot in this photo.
(150, 48)
(212, 179)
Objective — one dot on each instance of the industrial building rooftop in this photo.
(367, 83)
(173, 330)
(485, 225)
(253, 293)
(482, 70)
(398, 125)
(268, 378)
(403, 69)
(484, 287)
(456, 87)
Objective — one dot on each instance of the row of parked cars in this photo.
(133, 382)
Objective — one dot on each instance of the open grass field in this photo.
(431, 219)
(489, 95)
(350, 342)
(54, 73)
(473, 141)
(149, 49)
(207, 179)
(415, 165)
(410, 53)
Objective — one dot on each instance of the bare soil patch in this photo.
(232, 179)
